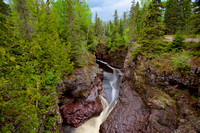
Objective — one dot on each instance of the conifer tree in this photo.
(153, 23)
(195, 18)
(185, 10)
(141, 18)
(137, 15)
(21, 18)
(115, 28)
(134, 20)
(120, 29)
(96, 24)
(177, 15)
(31, 70)
(116, 19)
(172, 16)
(4, 8)
(124, 24)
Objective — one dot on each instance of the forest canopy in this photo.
(41, 42)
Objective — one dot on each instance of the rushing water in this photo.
(111, 81)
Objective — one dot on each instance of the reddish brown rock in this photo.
(113, 57)
(155, 101)
(129, 115)
(75, 113)
(79, 100)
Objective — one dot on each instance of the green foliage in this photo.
(154, 27)
(177, 43)
(90, 36)
(92, 48)
(31, 67)
(136, 52)
(193, 48)
(181, 61)
(116, 19)
(98, 27)
(108, 44)
(135, 20)
(90, 42)
(195, 19)
(74, 20)
(177, 16)
(4, 8)
(126, 36)
(153, 46)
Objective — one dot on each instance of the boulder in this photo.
(79, 95)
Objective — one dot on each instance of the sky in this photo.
(106, 8)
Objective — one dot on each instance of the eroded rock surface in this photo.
(129, 115)
(115, 57)
(80, 92)
(155, 101)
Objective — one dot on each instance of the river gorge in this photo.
(109, 96)
(130, 98)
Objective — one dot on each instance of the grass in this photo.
(169, 61)
(161, 62)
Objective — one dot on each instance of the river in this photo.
(111, 82)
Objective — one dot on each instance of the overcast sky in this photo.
(105, 8)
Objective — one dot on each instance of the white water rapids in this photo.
(111, 82)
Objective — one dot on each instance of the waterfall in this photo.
(108, 98)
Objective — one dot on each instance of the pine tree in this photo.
(185, 10)
(21, 18)
(124, 24)
(96, 24)
(137, 15)
(177, 15)
(4, 8)
(153, 23)
(134, 20)
(116, 32)
(114, 29)
(116, 19)
(74, 27)
(195, 18)
(172, 16)
(120, 29)
(31, 70)
(142, 18)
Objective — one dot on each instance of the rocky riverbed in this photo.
(79, 100)
(151, 99)
(155, 101)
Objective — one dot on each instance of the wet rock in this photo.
(75, 112)
(198, 71)
(193, 70)
(78, 84)
(79, 99)
(158, 99)
(129, 115)
(185, 105)
(115, 60)
(191, 126)
(152, 100)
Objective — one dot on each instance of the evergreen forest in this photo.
(42, 42)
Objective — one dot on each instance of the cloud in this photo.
(106, 8)
(96, 9)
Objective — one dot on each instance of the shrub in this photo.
(153, 46)
(108, 44)
(194, 48)
(92, 48)
(177, 43)
(136, 52)
(181, 61)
